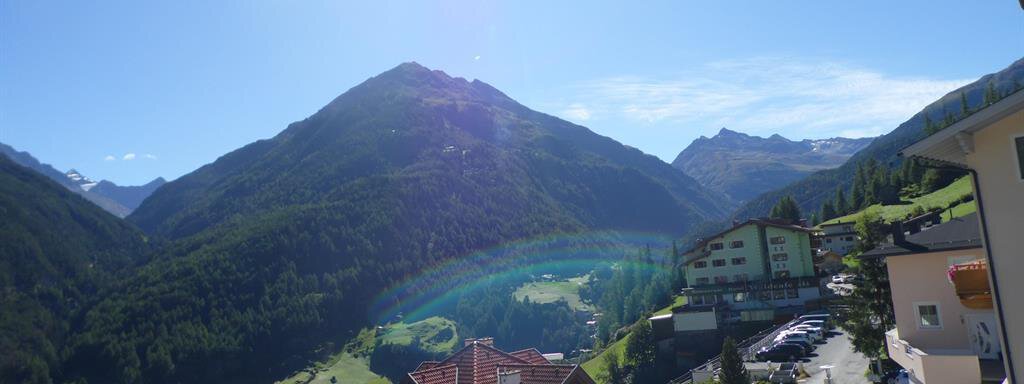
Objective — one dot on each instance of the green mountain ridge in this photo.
(284, 243)
(58, 253)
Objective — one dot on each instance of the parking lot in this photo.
(837, 351)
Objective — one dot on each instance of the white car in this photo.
(838, 279)
(795, 335)
(813, 336)
(817, 332)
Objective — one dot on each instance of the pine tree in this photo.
(965, 109)
(786, 209)
(828, 211)
(841, 206)
(991, 94)
(857, 192)
(929, 126)
(641, 350)
(733, 371)
(614, 372)
(814, 219)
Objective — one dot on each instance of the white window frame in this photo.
(1013, 150)
(917, 314)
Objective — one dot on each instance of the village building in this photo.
(479, 362)
(838, 237)
(989, 144)
(945, 324)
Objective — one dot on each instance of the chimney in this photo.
(468, 342)
(488, 341)
(898, 237)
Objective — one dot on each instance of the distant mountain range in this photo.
(811, 191)
(743, 166)
(113, 198)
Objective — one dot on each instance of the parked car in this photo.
(813, 336)
(817, 332)
(782, 352)
(797, 335)
(838, 279)
(823, 324)
(808, 345)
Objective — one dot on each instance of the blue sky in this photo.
(128, 91)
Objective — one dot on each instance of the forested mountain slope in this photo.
(811, 191)
(282, 244)
(57, 253)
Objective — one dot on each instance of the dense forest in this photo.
(59, 253)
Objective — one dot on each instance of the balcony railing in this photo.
(971, 282)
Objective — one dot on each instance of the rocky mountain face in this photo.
(743, 166)
(118, 200)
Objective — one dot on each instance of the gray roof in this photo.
(958, 233)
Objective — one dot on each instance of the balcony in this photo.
(971, 282)
(935, 366)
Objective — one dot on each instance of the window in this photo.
(697, 300)
(739, 260)
(792, 293)
(1018, 142)
(718, 263)
(736, 244)
(740, 277)
(849, 238)
(781, 274)
(764, 295)
(702, 281)
(780, 257)
(928, 315)
(778, 294)
(739, 297)
(828, 240)
(778, 240)
(700, 264)
(721, 279)
(716, 246)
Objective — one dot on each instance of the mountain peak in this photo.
(728, 132)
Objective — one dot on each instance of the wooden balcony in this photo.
(971, 282)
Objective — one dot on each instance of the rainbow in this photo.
(426, 293)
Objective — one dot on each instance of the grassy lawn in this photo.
(679, 301)
(595, 367)
(344, 367)
(436, 334)
(941, 198)
(552, 291)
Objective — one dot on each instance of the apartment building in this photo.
(945, 323)
(990, 145)
(838, 237)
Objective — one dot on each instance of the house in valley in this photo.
(479, 362)
(838, 237)
(989, 144)
(946, 329)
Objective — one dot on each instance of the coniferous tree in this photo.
(965, 109)
(828, 211)
(733, 371)
(786, 209)
(840, 205)
(641, 350)
(857, 192)
(929, 126)
(991, 94)
(872, 300)
(814, 219)
(614, 372)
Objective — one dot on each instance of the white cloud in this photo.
(129, 156)
(477, 57)
(765, 95)
(577, 112)
(109, 158)
(150, 156)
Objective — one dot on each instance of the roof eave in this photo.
(926, 147)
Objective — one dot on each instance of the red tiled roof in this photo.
(545, 374)
(478, 363)
(532, 356)
(446, 374)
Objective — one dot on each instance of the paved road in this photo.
(849, 366)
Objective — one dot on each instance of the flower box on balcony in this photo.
(971, 282)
